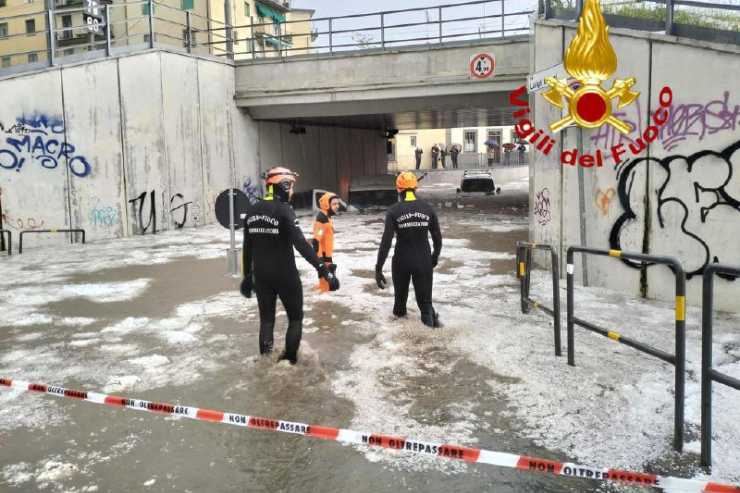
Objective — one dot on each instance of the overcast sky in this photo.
(477, 13)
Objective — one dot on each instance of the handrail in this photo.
(709, 374)
(678, 360)
(3, 232)
(29, 231)
(523, 271)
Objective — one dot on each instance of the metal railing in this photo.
(38, 231)
(707, 20)
(523, 272)
(392, 28)
(709, 374)
(76, 32)
(3, 232)
(678, 360)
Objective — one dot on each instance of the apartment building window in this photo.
(2, 3)
(247, 10)
(193, 40)
(30, 26)
(412, 141)
(66, 24)
(33, 57)
(145, 9)
(4, 30)
(470, 140)
(5, 62)
(186, 4)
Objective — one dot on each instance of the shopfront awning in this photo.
(266, 11)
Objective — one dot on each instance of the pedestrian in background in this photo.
(418, 152)
(435, 156)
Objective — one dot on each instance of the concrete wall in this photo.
(675, 202)
(120, 145)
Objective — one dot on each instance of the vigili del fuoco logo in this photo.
(590, 60)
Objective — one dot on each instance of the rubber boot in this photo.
(292, 341)
(428, 317)
(266, 338)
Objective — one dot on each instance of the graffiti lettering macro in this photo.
(40, 140)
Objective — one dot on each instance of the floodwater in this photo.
(176, 330)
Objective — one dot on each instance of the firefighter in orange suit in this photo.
(323, 234)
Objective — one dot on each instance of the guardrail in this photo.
(3, 232)
(710, 21)
(709, 374)
(524, 267)
(29, 231)
(678, 360)
(497, 18)
(115, 28)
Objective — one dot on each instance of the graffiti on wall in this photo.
(101, 216)
(698, 197)
(693, 120)
(542, 207)
(253, 191)
(177, 206)
(603, 199)
(182, 208)
(39, 140)
(10, 221)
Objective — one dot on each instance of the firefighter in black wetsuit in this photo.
(412, 220)
(270, 232)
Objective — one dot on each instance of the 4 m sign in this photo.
(482, 65)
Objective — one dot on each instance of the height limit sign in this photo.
(482, 65)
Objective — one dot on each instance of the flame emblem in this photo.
(591, 60)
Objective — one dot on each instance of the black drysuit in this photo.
(270, 232)
(413, 260)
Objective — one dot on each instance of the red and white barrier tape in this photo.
(445, 451)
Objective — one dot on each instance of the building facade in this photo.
(259, 29)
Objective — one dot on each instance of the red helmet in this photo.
(279, 174)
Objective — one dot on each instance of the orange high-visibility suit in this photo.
(323, 234)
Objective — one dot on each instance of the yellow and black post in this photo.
(524, 269)
(709, 374)
(678, 360)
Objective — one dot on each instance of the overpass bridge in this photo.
(403, 88)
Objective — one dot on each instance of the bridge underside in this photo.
(452, 111)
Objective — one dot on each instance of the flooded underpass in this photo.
(165, 324)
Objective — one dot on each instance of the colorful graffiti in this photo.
(40, 139)
(697, 198)
(252, 191)
(603, 199)
(685, 121)
(102, 216)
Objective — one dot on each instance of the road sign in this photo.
(241, 203)
(482, 65)
(536, 81)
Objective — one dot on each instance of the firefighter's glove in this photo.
(329, 276)
(246, 286)
(380, 278)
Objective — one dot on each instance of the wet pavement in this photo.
(156, 318)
